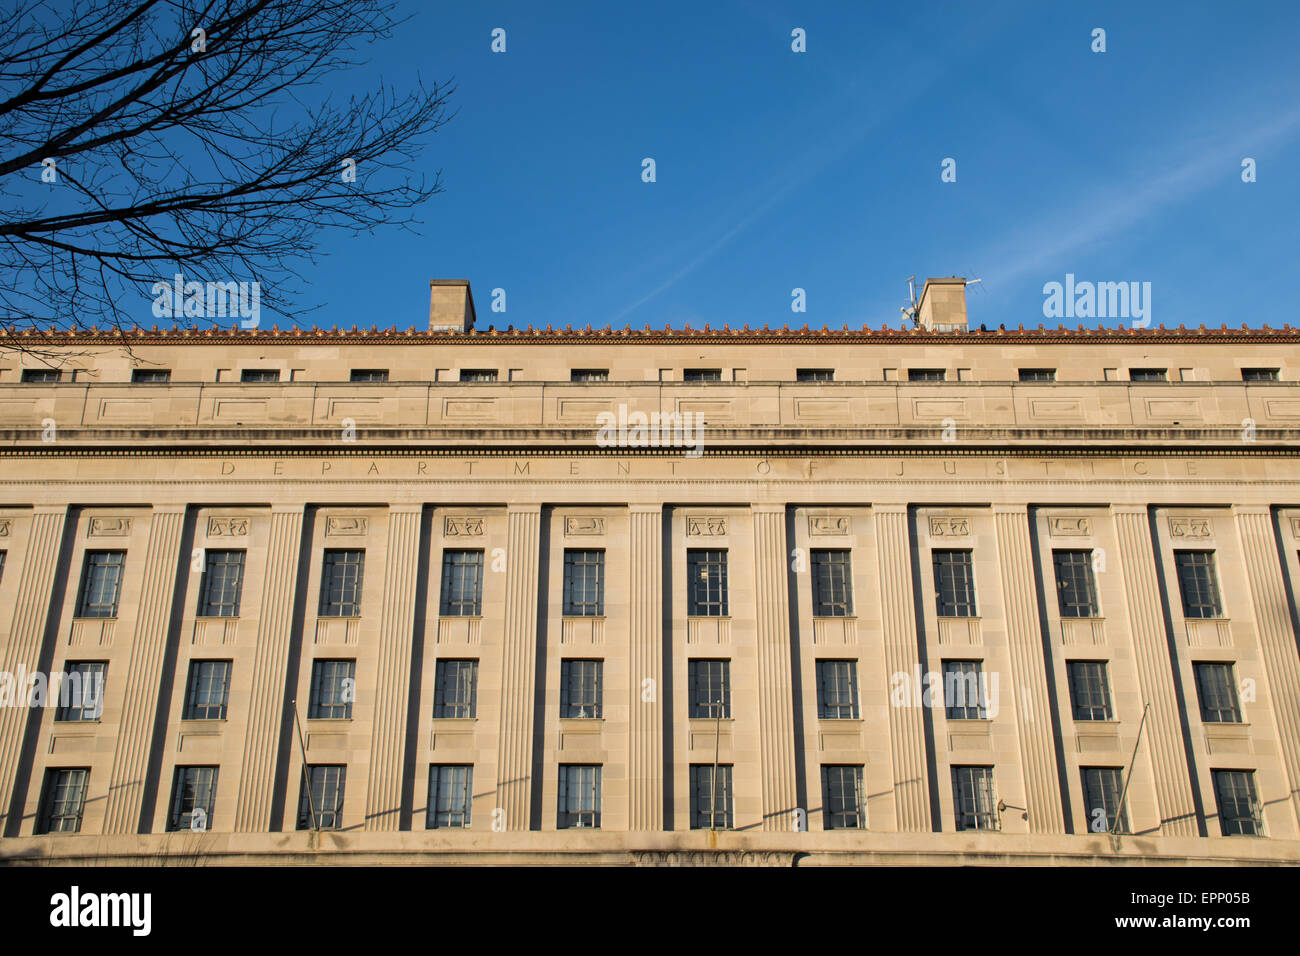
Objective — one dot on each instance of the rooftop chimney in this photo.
(451, 305)
(943, 305)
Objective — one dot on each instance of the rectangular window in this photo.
(368, 375)
(333, 688)
(455, 692)
(712, 802)
(222, 584)
(701, 375)
(584, 583)
(832, 583)
(706, 582)
(1148, 374)
(579, 797)
(101, 584)
(40, 376)
(478, 375)
(837, 690)
(451, 787)
(954, 583)
(1259, 375)
(925, 375)
(1037, 374)
(1076, 590)
(207, 690)
(974, 799)
(340, 587)
(1090, 690)
(320, 801)
(260, 375)
(814, 375)
(63, 800)
(963, 691)
(710, 688)
(589, 375)
(194, 791)
(462, 584)
(81, 693)
(1217, 690)
(1102, 789)
(842, 805)
(580, 688)
(1239, 807)
(1198, 584)
(151, 376)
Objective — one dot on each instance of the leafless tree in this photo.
(144, 139)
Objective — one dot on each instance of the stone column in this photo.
(20, 649)
(1163, 736)
(645, 631)
(519, 665)
(902, 656)
(776, 694)
(266, 697)
(393, 687)
(1028, 670)
(1277, 640)
(144, 672)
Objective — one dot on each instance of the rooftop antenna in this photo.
(910, 310)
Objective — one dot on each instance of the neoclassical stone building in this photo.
(704, 595)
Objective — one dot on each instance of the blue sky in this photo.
(821, 170)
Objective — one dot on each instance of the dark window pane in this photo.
(81, 691)
(963, 691)
(925, 375)
(702, 375)
(1239, 807)
(1102, 789)
(341, 577)
(1037, 374)
(712, 805)
(706, 583)
(1259, 374)
(579, 797)
(369, 375)
(1090, 690)
(584, 583)
(194, 791)
(333, 689)
(974, 798)
(451, 789)
(1148, 374)
(832, 583)
(589, 375)
(101, 584)
(580, 690)
(151, 376)
(63, 800)
(40, 376)
(710, 688)
(455, 693)
(1198, 584)
(814, 375)
(954, 583)
(222, 584)
(837, 690)
(320, 804)
(260, 375)
(1076, 590)
(842, 805)
(1217, 690)
(462, 584)
(207, 690)
(478, 375)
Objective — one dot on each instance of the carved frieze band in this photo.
(1068, 526)
(227, 526)
(109, 527)
(345, 525)
(949, 526)
(706, 526)
(1190, 528)
(578, 525)
(462, 526)
(829, 524)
